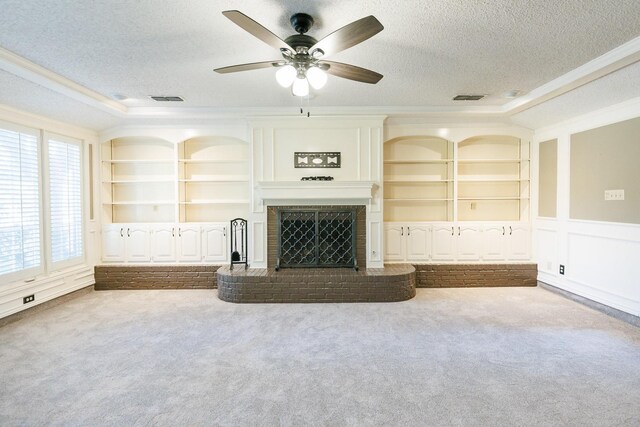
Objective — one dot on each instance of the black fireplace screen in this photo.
(316, 238)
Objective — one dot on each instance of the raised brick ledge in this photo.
(475, 275)
(196, 276)
(302, 285)
(110, 277)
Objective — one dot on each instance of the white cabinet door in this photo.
(469, 242)
(113, 241)
(394, 245)
(137, 243)
(443, 242)
(188, 243)
(214, 243)
(418, 242)
(163, 243)
(519, 242)
(494, 242)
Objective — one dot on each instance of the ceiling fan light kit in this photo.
(286, 75)
(317, 78)
(303, 64)
(300, 87)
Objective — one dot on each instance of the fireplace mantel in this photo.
(329, 192)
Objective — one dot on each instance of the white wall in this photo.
(54, 283)
(601, 259)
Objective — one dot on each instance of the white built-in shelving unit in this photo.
(463, 202)
(213, 179)
(171, 202)
(138, 180)
(418, 179)
(493, 179)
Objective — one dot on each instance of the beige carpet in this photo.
(496, 356)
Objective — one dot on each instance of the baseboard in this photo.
(603, 308)
(45, 305)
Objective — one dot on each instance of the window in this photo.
(39, 181)
(65, 199)
(19, 202)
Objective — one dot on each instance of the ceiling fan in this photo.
(303, 62)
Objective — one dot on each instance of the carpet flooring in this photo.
(491, 356)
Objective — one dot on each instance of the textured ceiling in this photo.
(428, 51)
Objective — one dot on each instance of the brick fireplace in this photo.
(360, 232)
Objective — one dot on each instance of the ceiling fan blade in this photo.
(248, 67)
(349, 35)
(352, 72)
(257, 30)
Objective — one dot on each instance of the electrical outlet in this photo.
(28, 299)
(614, 194)
(561, 269)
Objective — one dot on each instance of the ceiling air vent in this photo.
(167, 98)
(468, 97)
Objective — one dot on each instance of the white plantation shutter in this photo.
(65, 198)
(19, 202)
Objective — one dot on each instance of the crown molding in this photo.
(611, 61)
(22, 67)
(25, 118)
(602, 117)
(294, 110)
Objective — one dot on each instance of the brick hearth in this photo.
(394, 283)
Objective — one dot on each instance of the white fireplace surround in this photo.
(320, 193)
(276, 181)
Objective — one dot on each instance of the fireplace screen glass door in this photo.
(316, 238)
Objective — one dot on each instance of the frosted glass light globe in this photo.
(317, 78)
(300, 87)
(286, 75)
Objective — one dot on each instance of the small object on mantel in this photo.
(316, 178)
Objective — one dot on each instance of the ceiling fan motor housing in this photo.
(300, 40)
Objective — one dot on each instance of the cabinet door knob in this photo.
(128, 232)
(179, 232)
(510, 231)
(408, 231)
(224, 231)
(402, 231)
(121, 232)
(452, 231)
(503, 230)
(458, 230)
(173, 232)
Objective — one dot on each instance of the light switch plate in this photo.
(614, 194)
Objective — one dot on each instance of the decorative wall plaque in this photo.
(316, 160)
